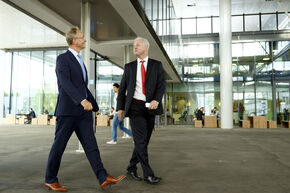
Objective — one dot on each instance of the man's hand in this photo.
(120, 115)
(87, 105)
(153, 105)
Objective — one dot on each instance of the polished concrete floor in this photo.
(189, 160)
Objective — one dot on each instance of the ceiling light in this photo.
(265, 59)
(235, 60)
(194, 61)
(261, 63)
(275, 50)
(191, 4)
(200, 60)
(234, 64)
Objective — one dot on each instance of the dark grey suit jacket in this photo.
(155, 85)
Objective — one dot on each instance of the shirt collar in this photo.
(145, 59)
(73, 51)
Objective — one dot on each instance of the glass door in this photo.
(282, 101)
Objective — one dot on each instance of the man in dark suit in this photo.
(140, 95)
(30, 116)
(74, 114)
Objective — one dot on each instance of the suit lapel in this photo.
(148, 70)
(76, 62)
(134, 73)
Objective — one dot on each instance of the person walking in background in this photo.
(139, 98)
(116, 121)
(74, 108)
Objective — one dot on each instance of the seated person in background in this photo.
(183, 115)
(30, 116)
(216, 112)
(200, 115)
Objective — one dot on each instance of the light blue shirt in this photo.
(76, 55)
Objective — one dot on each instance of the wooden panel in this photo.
(198, 123)
(244, 123)
(272, 124)
(210, 121)
(42, 119)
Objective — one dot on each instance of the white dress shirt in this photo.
(138, 89)
(115, 106)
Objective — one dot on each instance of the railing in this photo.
(208, 25)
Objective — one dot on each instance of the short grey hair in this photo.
(71, 34)
(146, 42)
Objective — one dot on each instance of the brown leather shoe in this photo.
(111, 180)
(55, 187)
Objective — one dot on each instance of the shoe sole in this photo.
(153, 183)
(109, 185)
(122, 179)
(49, 188)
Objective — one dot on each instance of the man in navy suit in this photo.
(75, 104)
(139, 98)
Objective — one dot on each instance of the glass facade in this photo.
(30, 81)
(260, 82)
(107, 74)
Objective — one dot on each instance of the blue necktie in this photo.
(82, 66)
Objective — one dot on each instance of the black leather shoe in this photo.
(152, 179)
(134, 175)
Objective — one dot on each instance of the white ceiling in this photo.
(21, 31)
(211, 7)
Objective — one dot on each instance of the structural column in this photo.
(2, 55)
(85, 28)
(225, 36)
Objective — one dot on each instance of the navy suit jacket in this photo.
(71, 87)
(155, 86)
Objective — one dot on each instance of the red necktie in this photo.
(143, 75)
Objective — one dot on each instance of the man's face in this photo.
(115, 89)
(139, 48)
(80, 41)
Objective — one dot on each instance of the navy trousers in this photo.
(83, 127)
(142, 126)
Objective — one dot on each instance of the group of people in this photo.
(199, 113)
(139, 98)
